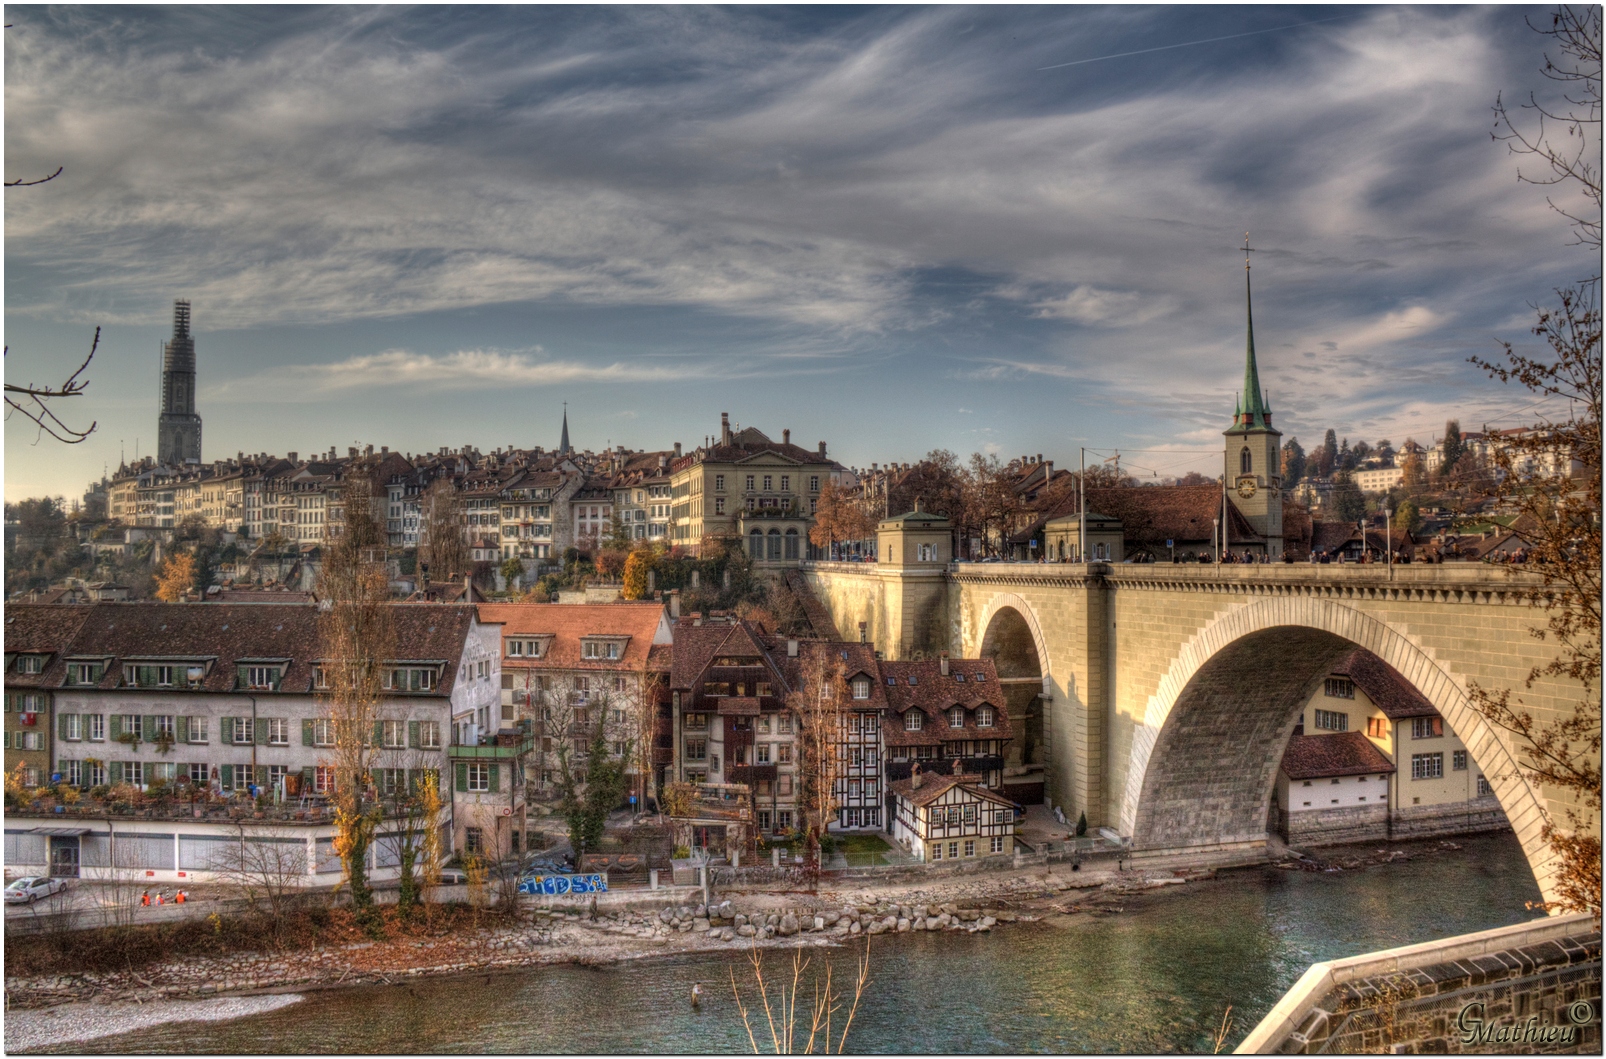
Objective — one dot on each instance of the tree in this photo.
(818, 704)
(1347, 501)
(1558, 511)
(1327, 455)
(1293, 461)
(264, 870)
(512, 570)
(586, 800)
(442, 544)
(176, 578)
(356, 636)
(838, 516)
(1413, 472)
(637, 566)
(1452, 447)
(611, 563)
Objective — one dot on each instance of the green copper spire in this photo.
(1253, 412)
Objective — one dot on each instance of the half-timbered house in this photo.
(950, 817)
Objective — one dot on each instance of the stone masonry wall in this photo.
(1337, 827)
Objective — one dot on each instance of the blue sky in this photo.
(892, 229)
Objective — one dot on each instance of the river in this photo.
(1155, 978)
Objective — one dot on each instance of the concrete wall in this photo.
(1122, 644)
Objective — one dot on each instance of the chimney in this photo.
(791, 648)
(945, 663)
(822, 448)
(663, 462)
(1039, 457)
(786, 437)
(915, 779)
(724, 428)
(862, 632)
(384, 450)
(468, 588)
(292, 457)
(674, 604)
(677, 450)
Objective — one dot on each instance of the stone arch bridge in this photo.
(1168, 692)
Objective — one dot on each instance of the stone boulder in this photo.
(903, 926)
(787, 926)
(746, 930)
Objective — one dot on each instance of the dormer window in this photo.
(525, 648)
(409, 679)
(85, 674)
(30, 663)
(861, 687)
(149, 676)
(259, 678)
(601, 649)
(984, 717)
(956, 717)
(913, 721)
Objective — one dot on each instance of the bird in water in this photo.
(696, 994)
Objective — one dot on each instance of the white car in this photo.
(32, 888)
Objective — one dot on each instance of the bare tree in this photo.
(33, 401)
(817, 702)
(820, 1010)
(442, 544)
(357, 636)
(265, 869)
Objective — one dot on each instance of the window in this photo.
(73, 727)
(783, 723)
(1377, 727)
(323, 732)
(393, 734)
(1427, 727)
(768, 483)
(913, 721)
(1458, 761)
(591, 649)
(936, 851)
(429, 735)
(696, 721)
(1427, 766)
(83, 673)
(997, 844)
(814, 483)
(970, 814)
(786, 483)
(959, 678)
(696, 749)
(479, 775)
(1340, 688)
(764, 724)
(953, 851)
(97, 727)
(761, 754)
(783, 754)
(763, 819)
(719, 505)
(956, 717)
(719, 483)
(1332, 721)
(783, 819)
(323, 779)
(749, 483)
(861, 687)
(984, 717)
(1483, 787)
(978, 677)
(970, 847)
(198, 773)
(279, 731)
(260, 677)
(30, 664)
(241, 732)
(473, 840)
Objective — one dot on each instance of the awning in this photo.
(60, 832)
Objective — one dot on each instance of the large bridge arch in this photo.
(1012, 637)
(1204, 759)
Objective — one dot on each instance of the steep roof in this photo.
(567, 623)
(37, 628)
(1311, 757)
(1384, 685)
(912, 685)
(934, 785)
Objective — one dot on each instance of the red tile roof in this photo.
(933, 694)
(934, 785)
(1384, 685)
(568, 623)
(1311, 757)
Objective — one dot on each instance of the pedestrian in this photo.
(158, 898)
(179, 897)
(696, 994)
(145, 899)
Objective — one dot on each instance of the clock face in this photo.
(1246, 488)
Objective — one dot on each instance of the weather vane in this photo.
(1247, 251)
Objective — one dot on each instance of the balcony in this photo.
(503, 745)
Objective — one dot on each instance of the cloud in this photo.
(1093, 307)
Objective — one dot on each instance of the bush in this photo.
(1081, 825)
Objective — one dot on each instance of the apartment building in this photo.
(642, 493)
(36, 639)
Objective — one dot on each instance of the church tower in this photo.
(178, 428)
(1254, 449)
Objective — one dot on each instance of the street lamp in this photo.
(1215, 536)
(1388, 538)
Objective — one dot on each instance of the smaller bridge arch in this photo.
(1205, 756)
(1011, 636)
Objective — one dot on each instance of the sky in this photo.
(1008, 230)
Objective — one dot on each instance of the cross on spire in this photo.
(1247, 251)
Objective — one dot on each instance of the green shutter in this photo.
(225, 732)
(496, 784)
(306, 733)
(181, 729)
(114, 772)
(412, 734)
(306, 779)
(148, 728)
(262, 731)
(262, 776)
(227, 779)
(379, 732)
(462, 777)
(61, 726)
(116, 727)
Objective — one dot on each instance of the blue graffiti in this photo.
(558, 885)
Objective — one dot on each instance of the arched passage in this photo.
(1013, 641)
(1204, 761)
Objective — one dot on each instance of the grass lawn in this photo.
(864, 850)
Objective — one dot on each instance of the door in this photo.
(64, 853)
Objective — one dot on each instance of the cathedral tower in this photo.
(1254, 449)
(178, 429)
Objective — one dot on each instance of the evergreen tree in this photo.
(1293, 461)
(1327, 455)
(1347, 502)
(1452, 444)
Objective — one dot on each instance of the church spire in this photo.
(563, 445)
(1254, 411)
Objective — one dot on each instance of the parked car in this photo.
(452, 877)
(31, 888)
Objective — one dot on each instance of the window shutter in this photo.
(262, 775)
(306, 733)
(462, 777)
(496, 783)
(148, 727)
(225, 732)
(306, 779)
(261, 731)
(412, 734)
(114, 772)
(116, 726)
(379, 732)
(227, 774)
(181, 727)
(61, 726)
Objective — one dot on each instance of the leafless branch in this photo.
(30, 400)
(31, 183)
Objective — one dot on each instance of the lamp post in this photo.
(1215, 536)
(1388, 538)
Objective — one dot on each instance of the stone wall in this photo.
(1530, 988)
(1455, 818)
(1337, 827)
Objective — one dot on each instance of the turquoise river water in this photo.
(1155, 978)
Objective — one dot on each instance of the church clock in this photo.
(1246, 488)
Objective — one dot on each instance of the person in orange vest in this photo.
(179, 897)
(145, 899)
